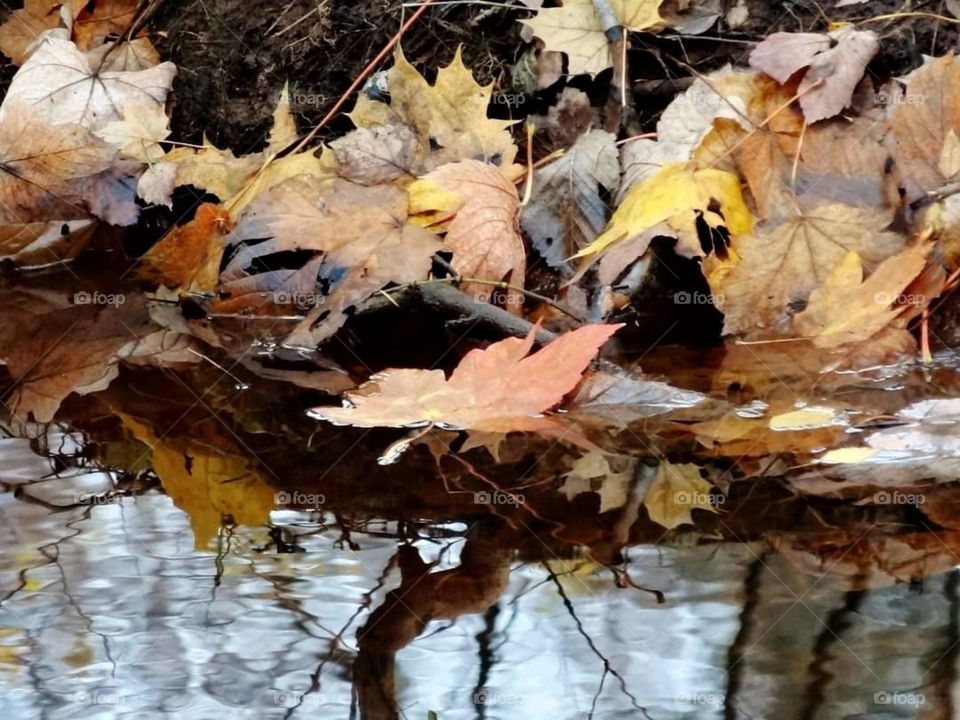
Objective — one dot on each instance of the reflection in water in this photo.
(110, 611)
(187, 543)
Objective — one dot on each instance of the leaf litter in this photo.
(813, 211)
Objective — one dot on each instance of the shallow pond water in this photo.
(185, 542)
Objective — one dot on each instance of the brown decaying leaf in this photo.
(484, 237)
(41, 166)
(785, 262)
(567, 211)
(374, 155)
(102, 18)
(847, 309)
(24, 26)
(835, 63)
(189, 256)
(920, 129)
(499, 389)
(362, 242)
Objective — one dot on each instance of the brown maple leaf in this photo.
(785, 261)
(39, 167)
(499, 389)
(361, 242)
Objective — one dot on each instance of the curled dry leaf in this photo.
(679, 196)
(61, 85)
(449, 118)
(835, 64)
(484, 234)
(567, 211)
(189, 256)
(499, 389)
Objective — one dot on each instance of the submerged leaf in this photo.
(677, 490)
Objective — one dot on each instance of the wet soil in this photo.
(234, 62)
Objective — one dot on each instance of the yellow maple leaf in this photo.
(449, 117)
(675, 195)
(576, 29)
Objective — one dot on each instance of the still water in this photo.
(182, 541)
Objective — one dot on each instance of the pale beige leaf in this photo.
(61, 86)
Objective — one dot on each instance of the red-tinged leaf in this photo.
(499, 389)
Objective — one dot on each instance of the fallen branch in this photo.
(444, 298)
